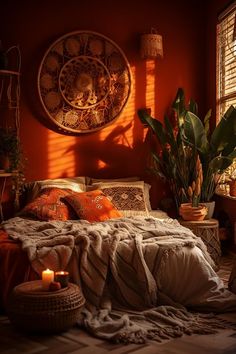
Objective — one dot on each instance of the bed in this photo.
(143, 275)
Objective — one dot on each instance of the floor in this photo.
(77, 341)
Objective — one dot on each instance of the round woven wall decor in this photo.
(84, 82)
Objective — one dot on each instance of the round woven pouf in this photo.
(32, 309)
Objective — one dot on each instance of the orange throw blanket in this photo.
(14, 265)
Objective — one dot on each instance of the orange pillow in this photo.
(49, 205)
(92, 206)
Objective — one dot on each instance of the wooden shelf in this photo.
(8, 174)
(9, 72)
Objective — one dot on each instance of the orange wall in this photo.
(117, 150)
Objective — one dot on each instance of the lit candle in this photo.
(62, 277)
(47, 278)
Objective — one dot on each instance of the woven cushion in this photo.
(92, 206)
(49, 205)
(127, 197)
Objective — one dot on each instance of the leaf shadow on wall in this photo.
(114, 156)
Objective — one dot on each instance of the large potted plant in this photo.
(181, 143)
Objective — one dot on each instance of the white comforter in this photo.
(130, 264)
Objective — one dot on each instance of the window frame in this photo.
(223, 100)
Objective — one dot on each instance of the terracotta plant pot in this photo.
(190, 213)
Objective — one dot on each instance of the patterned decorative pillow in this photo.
(49, 205)
(92, 206)
(76, 184)
(126, 196)
(147, 188)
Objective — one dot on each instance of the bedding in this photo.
(11, 256)
(139, 275)
(143, 277)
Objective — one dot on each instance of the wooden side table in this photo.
(32, 309)
(208, 230)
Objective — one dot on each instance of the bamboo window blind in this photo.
(226, 68)
(226, 60)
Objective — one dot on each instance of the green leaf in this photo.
(229, 149)
(193, 106)
(195, 134)
(179, 102)
(170, 134)
(179, 106)
(225, 132)
(219, 164)
(207, 122)
(232, 155)
(154, 125)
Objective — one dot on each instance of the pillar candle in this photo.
(47, 278)
(62, 277)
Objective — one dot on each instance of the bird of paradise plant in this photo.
(182, 144)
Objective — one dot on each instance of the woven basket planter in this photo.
(33, 310)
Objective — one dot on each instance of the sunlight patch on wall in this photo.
(150, 85)
(61, 156)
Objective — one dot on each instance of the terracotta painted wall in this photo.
(117, 150)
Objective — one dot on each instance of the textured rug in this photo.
(77, 341)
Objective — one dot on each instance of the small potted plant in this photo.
(11, 160)
(10, 150)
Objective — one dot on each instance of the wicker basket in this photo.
(30, 308)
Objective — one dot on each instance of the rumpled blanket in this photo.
(136, 274)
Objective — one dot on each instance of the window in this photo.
(226, 69)
(226, 60)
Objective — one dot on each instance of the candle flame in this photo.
(61, 272)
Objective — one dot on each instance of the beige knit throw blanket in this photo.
(123, 267)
